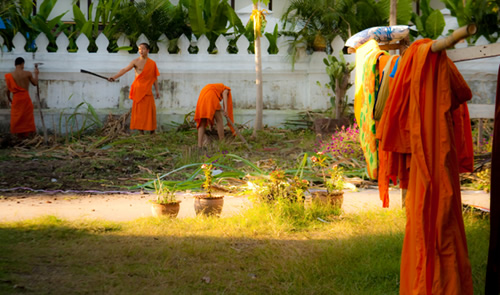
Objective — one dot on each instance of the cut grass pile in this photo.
(260, 251)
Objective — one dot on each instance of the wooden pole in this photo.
(457, 35)
(393, 16)
(259, 104)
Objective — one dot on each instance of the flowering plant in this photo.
(298, 187)
(207, 184)
(344, 144)
(336, 180)
(320, 161)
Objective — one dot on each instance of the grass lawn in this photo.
(257, 252)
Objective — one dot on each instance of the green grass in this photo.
(261, 251)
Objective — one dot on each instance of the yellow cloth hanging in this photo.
(258, 16)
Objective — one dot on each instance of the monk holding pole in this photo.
(141, 92)
(22, 120)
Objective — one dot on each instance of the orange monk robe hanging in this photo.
(427, 89)
(143, 108)
(209, 102)
(22, 119)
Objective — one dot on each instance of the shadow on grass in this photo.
(106, 258)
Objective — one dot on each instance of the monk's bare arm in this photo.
(123, 71)
(157, 89)
(33, 78)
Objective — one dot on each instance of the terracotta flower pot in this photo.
(168, 210)
(335, 198)
(208, 206)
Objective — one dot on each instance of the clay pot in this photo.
(167, 210)
(208, 206)
(335, 198)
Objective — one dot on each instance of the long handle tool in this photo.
(94, 74)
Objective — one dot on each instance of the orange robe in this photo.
(141, 92)
(209, 102)
(428, 89)
(22, 119)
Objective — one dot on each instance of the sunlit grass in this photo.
(259, 251)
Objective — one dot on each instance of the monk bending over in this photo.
(22, 121)
(208, 110)
(141, 92)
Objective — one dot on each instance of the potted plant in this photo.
(208, 204)
(334, 184)
(166, 203)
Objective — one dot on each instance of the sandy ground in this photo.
(133, 206)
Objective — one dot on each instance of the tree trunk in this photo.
(258, 70)
(340, 91)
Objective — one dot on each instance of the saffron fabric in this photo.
(22, 119)
(209, 102)
(364, 103)
(143, 107)
(421, 122)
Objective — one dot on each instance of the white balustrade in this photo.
(62, 43)
(41, 43)
(203, 44)
(102, 44)
(19, 42)
(183, 43)
(82, 42)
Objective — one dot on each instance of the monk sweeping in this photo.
(22, 121)
(208, 110)
(141, 92)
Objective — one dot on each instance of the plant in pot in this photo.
(339, 73)
(334, 183)
(165, 203)
(207, 203)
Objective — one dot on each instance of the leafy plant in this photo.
(336, 180)
(339, 72)
(87, 113)
(273, 40)
(164, 194)
(22, 20)
(430, 24)
(105, 20)
(212, 18)
(484, 13)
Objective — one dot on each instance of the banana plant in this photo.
(32, 25)
(105, 20)
(212, 18)
(430, 24)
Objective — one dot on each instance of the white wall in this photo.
(63, 87)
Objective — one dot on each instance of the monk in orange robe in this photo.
(421, 111)
(141, 92)
(22, 120)
(208, 110)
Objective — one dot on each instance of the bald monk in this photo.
(22, 121)
(208, 110)
(141, 92)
